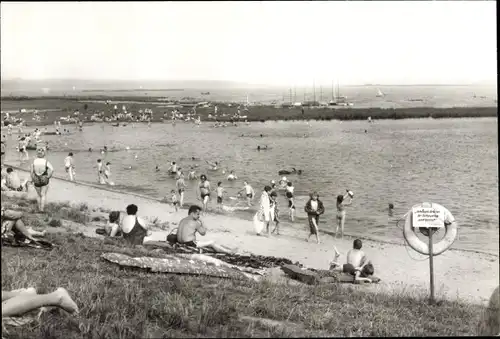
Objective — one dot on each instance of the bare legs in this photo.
(181, 199)
(340, 223)
(205, 204)
(42, 196)
(217, 248)
(315, 225)
(17, 225)
(19, 303)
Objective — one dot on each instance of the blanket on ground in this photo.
(314, 277)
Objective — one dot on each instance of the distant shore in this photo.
(57, 106)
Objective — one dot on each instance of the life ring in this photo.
(409, 232)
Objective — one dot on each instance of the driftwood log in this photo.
(174, 265)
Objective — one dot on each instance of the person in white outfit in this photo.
(265, 209)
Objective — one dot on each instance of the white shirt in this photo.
(314, 205)
(68, 161)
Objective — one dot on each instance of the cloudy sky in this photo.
(276, 43)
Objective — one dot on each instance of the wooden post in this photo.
(431, 266)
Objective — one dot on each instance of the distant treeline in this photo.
(135, 90)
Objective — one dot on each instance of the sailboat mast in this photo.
(314, 91)
(333, 92)
(290, 95)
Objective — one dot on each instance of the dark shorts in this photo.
(249, 195)
(291, 204)
(175, 203)
(21, 150)
(205, 195)
(189, 244)
(180, 190)
(349, 269)
(219, 200)
(289, 195)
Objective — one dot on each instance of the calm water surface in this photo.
(452, 162)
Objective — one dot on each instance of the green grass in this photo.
(122, 303)
(262, 113)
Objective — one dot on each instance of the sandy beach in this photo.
(458, 274)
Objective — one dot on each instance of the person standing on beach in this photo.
(100, 174)
(204, 191)
(23, 153)
(41, 172)
(264, 212)
(175, 202)
(180, 184)
(341, 204)
(274, 207)
(69, 166)
(289, 195)
(107, 173)
(3, 151)
(220, 192)
(314, 208)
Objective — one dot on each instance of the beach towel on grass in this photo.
(38, 244)
(174, 265)
(313, 277)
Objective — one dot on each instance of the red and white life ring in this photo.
(409, 232)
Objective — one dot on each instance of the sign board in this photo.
(428, 217)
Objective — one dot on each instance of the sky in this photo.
(273, 43)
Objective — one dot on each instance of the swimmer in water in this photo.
(192, 174)
(232, 176)
(214, 165)
(391, 210)
(341, 204)
(173, 168)
(180, 184)
(249, 192)
(258, 148)
(204, 191)
(289, 195)
(90, 149)
(157, 169)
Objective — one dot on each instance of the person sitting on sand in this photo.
(12, 222)
(357, 263)
(130, 226)
(13, 183)
(192, 224)
(314, 208)
(19, 302)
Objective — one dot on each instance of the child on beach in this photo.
(274, 206)
(289, 195)
(314, 208)
(100, 175)
(175, 202)
(220, 191)
(69, 166)
(107, 173)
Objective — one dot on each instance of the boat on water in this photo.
(205, 93)
(338, 100)
(380, 94)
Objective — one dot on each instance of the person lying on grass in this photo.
(192, 224)
(129, 226)
(357, 264)
(12, 222)
(19, 302)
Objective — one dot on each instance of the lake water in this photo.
(452, 162)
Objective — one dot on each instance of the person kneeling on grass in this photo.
(12, 222)
(357, 264)
(131, 227)
(19, 302)
(192, 224)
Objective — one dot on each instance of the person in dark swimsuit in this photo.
(138, 232)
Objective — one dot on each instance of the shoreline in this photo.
(67, 105)
(158, 200)
(398, 269)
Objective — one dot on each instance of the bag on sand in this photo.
(258, 222)
(172, 236)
